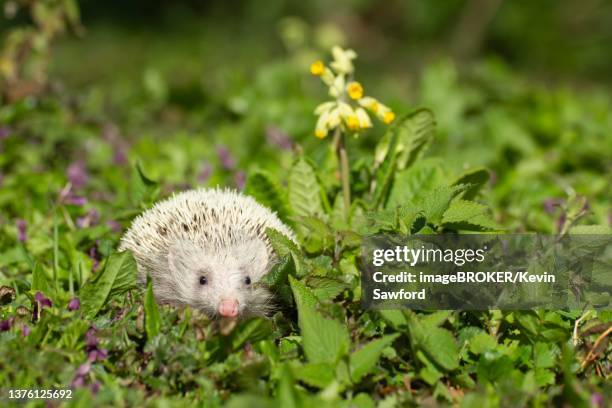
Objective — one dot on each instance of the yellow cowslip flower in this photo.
(343, 60)
(388, 117)
(317, 68)
(354, 90)
(320, 133)
(322, 128)
(352, 122)
(336, 89)
(363, 118)
(369, 103)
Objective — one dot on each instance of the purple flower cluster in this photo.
(278, 138)
(226, 158)
(74, 304)
(21, 230)
(40, 302)
(94, 353)
(5, 325)
(77, 174)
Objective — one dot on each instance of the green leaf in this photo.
(438, 344)
(326, 288)
(143, 190)
(39, 279)
(363, 360)
(468, 215)
(411, 183)
(318, 375)
(304, 190)
(286, 395)
(415, 133)
(284, 246)
(278, 278)
(251, 331)
(152, 318)
(117, 276)
(437, 202)
(324, 340)
(385, 173)
(261, 186)
(475, 178)
(482, 342)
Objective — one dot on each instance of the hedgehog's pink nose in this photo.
(228, 308)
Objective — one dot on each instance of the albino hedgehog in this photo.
(206, 249)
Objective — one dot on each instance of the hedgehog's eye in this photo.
(247, 280)
(203, 280)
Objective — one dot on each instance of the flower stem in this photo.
(340, 148)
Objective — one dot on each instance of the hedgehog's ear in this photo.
(182, 256)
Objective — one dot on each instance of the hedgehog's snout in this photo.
(228, 307)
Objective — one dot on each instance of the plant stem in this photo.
(344, 172)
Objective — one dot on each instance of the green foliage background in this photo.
(504, 124)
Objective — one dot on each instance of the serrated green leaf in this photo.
(324, 340)
(304, 190)
(439, 345)
(475, 179)
(415, 132)
(468, 215)
(437, 202)
(326, 288)
(412, 183)
(363, 360)
(261, 186)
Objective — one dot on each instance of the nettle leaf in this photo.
(152, 319)
(437, 202)
(363, 360)
(118, 276)
(278, 278)
(286, 395)
(437, 344)
(414, 182)
(468, 215)
(304, 190)
(385, 173)
(283, 246)
(475, 178)
(326, 288)
(316, 234)
(415, 132)
(261, 186)
(324, 340)
(318, 375)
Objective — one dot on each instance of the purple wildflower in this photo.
(21, 230)
(120, 156)
(597, 400)
(5, 325)
(550, 204)
(240, 179)
(91, 218)
(25, 330)
(5, 132)
(93, 255)
(225, 157)
(83, 369)
(91, 341)
(97, 355)
(278, 138)
(42, 300)
(76, 200)
(77, 174)
(114, 226)
(77, 382)
(74, 304)
(95, 387)
(205, 172)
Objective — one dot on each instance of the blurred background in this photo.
(203, 92)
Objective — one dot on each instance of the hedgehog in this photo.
(208, 249)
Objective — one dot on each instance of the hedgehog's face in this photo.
(220, 282)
